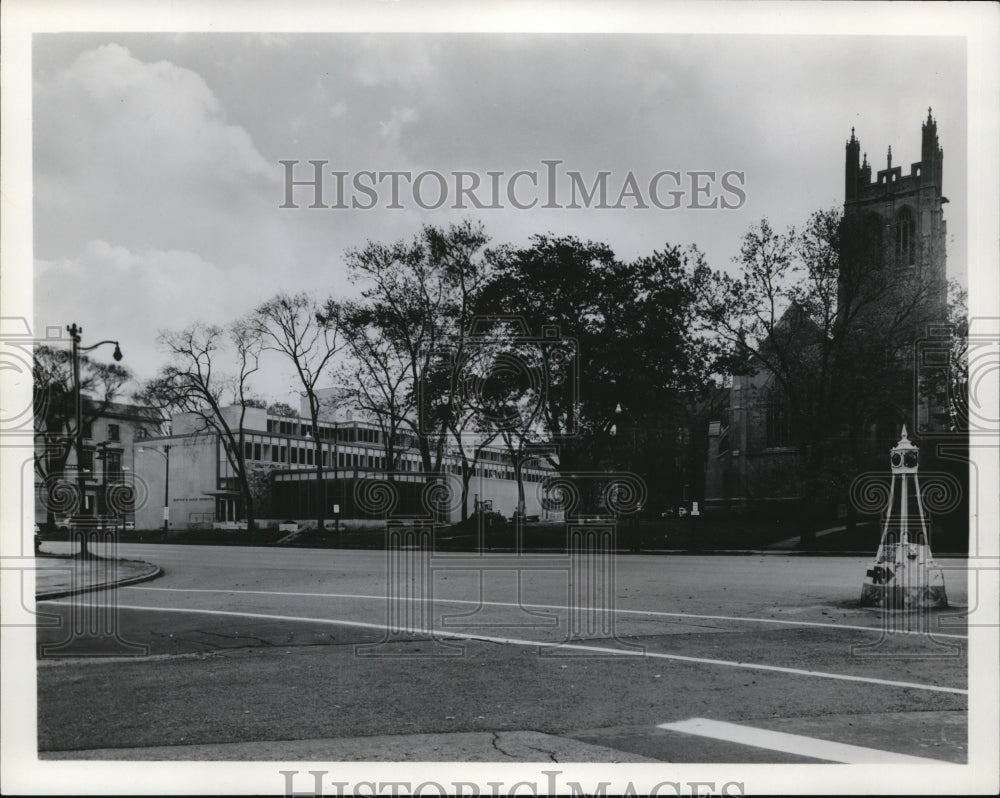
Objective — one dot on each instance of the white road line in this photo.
(440, 633)
(655, 613)
(795, 744)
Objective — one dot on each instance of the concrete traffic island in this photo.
(59, 575)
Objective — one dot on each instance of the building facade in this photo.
(191, 480)
(112, 432)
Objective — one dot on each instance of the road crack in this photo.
(261, 640)
(552, 754)
(496, 745)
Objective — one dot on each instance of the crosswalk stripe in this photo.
(794, 743)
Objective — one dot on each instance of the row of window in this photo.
(280, 452)
(493, 456)
(114, 432)
(286, 453)
(359, 435)
(497, 473)
(342, 434)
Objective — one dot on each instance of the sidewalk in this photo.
(507, 746)
(796, 542)
(57, 576)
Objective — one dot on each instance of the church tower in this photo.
(893, 249)
(907, 209)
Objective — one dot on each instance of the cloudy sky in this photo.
(157, 181)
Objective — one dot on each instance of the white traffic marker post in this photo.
(904, 574)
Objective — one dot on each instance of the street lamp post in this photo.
(75, 333)
(165, 454)
(321, 487)
(633, 530)
(336, 511)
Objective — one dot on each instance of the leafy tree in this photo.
(261, 486)
(946, 386)
(824, 314)
(55, 408)
(608, 334)
(281, 409)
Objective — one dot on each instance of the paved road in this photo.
(744, 658)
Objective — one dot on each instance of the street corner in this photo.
(58, 576)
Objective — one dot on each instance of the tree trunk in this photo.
(519, 476)
(812, 494)
(248, 506)
(466, 479)
(320, 489)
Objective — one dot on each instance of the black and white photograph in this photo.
(453, 399)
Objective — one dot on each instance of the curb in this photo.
(132, 580)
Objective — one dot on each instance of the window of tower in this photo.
(905, 244)
(861, 245)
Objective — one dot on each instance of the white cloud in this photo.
(398, 119)
(137, 152)
(396, 60)
(115, 293)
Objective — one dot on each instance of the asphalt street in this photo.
(743, 658)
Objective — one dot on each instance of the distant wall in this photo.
(192, 472)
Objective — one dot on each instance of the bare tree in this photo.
(375, 378)
(309, 338)
(418, 300)
(510, 399)
(193, 383)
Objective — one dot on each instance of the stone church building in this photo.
(893, 230)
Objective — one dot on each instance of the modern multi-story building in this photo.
(187, 476)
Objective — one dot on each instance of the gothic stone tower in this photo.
(908, 209)
(896, 223)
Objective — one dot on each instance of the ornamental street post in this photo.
(904, 575)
